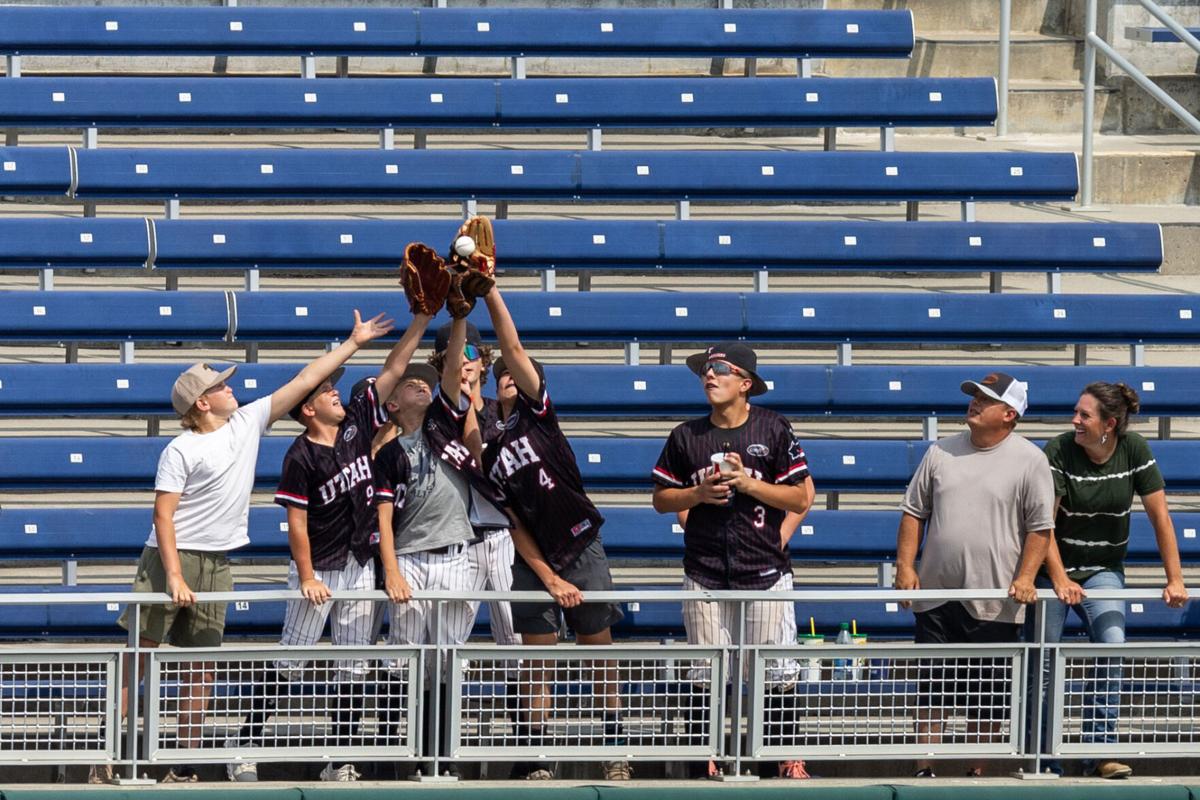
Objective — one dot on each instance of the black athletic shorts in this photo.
(980, 686)
(589, 572)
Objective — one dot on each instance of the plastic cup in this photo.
(811, 672)
(857, 667)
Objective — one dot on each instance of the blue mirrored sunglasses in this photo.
(471, 352)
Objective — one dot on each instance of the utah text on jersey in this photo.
(513, 457)
(352, 475)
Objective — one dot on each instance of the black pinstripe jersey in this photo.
(491, 427)
(334, 485)
(735, 546)
(534, 469)
(442, 429)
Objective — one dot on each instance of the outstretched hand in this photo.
(371, 329)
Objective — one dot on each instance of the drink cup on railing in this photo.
(810, 671)
(858, 668)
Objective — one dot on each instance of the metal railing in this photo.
(635, 700)
(1092, 43)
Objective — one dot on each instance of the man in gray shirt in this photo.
(985, 502)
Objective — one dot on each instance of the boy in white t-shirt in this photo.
(201, 506)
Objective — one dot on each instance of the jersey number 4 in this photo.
(544, 479)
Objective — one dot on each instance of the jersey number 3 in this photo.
(760, 516)
(544, 479)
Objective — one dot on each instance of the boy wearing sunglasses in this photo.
(736, 473)
(490, 557)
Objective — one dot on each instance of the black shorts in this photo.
(589, 572)
(980, 686)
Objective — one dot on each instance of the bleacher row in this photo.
(159, 174)
(280, 316)
(351, 246)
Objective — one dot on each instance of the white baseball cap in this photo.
(1003, 387)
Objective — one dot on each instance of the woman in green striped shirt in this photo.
(1098, 468)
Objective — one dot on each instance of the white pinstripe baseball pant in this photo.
(491, 563)
(350, 620)
(713, 623)
(432, 571)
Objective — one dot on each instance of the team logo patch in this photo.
(374, 538)
(582, 527)
(508, 424)
(350, 432)
(760, 450)
(796, 450)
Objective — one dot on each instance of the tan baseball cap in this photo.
(195, 381)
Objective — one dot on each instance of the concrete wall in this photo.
(1153, 59)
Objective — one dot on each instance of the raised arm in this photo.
(401, 353)
(294, 391)
(452, 361)
(515, 357)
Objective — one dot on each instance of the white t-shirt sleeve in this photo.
(172, 472)
(258, 414)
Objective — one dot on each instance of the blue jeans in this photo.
(1105, 621)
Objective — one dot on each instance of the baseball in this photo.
(464, 246)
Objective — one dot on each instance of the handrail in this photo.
(667, 595)
(1094, 42)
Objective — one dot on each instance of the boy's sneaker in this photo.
(617, 771)
(240, 771)
(1113, 770)
(926, 772)
(99, 774)
(346, 773)
(185, 774)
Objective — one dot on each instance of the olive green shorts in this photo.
(201, 625)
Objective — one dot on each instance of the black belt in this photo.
(447, 550)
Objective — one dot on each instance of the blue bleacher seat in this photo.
(795, 33)
(568, 175)
(655, 317)
(762, 317)
(456, 103)
(75, 243)
(1158, 35)
(633, 533)
(108, 316)
(238, 244)
(606, 463)
(954, 317)
(35, 170)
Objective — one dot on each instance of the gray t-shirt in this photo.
(435, 501)
(979, 503)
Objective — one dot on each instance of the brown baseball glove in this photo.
(465, 288)
(425, 279)
(483, 260)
